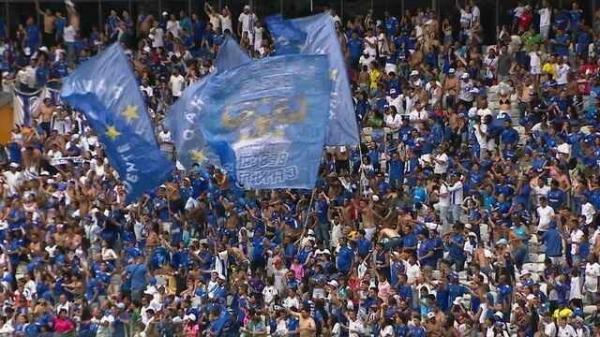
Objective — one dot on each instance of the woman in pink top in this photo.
(62, 324)
(191, 328)
(383, 288)
(298, 269)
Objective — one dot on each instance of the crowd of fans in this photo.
(470, 208)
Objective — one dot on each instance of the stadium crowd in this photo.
(469, 209)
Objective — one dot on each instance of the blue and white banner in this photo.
(264, 119)
(105, 90)
(316, 35)
(26, 105)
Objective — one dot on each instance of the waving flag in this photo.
(105, 90)
(321, 38)
(230, 55)
(263, 119)
(183, 120)
(289, 39)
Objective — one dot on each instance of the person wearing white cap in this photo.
(394, 99)
(157, 35)
(246, 23)
(13, 178)
(173, 26)
(466, 95)
(415, 80)
(105, 327)
(191, 327)
(450, 87)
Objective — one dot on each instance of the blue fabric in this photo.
(289, 39)
(553, 242)
(263, 120)
(137, 274)
(230, 55)
(321, 38)
(105, 90)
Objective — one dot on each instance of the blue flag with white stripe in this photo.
(104, 89)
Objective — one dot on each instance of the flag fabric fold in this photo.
(263, 120)
(320, 38)
(104, 89)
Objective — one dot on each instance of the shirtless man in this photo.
(451, 87)
(307, 326)
(49, 20)
(46, 111)
(367, 216)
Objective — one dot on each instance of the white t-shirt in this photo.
(545, 14)
(69, 34)
(226, 23)
(566, 331)
(269, 294)
(247, 21)
(258, 37)
(173, 27)
(549, 329)
(177, 83)
(355, 328)
(576, 237)
(562, 74)
(393, 122)
(540, 191)
(592, 273)
(13, 180)
(441, 164)
(396, 102)
(465, 18)
(158, 37)
(575, 289)
(291, 302)
(412, 273)
(535, 63)
(588, 211)
(444, 196)
(456, 193)
(418, 115)
(475, 13)
(545, 215)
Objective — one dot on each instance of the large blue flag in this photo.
(289, 39)
(183, 120)
(230, 55)
(105, 90)
(321, 38)
(263, 119)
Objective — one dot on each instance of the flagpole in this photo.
(7, 14)
(304, 230)
(99, 14)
